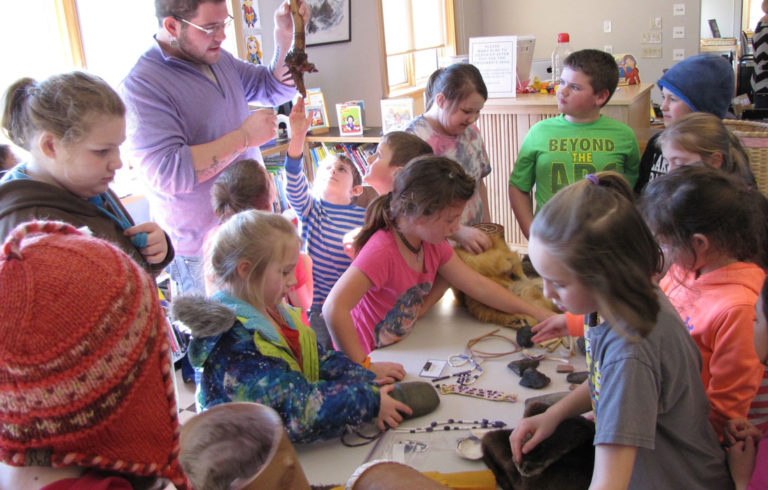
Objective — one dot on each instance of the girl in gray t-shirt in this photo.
(595, 253)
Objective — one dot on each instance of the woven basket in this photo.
(754, 137)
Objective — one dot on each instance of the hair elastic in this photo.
(593, 178)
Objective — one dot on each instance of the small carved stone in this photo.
(534, 379)
(524, 335)
(577, 378)
(519, 366)
(564, 368)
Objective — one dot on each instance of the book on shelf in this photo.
(357, 152)
(275, 166)
(396, 114)
(315, 109)
(350, 115)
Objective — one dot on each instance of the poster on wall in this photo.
(330, 22)
(249, 21)
(253, 49)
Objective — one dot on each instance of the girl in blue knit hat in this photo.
(702, 83)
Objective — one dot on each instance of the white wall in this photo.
(728, 16)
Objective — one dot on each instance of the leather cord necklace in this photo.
(407, 244)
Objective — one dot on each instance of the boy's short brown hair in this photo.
(357, 179)
(599, 66)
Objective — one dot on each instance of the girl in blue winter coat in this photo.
(248, 345)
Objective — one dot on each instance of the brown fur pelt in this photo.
(503, 266)
(563, 461)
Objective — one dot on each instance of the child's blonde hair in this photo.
(63, 104)
(243, 185)
(701, 199)
(256, 236)
(705, 134)
(594, 229)
(405, 147)
(425, 186)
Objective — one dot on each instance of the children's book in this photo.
(350, 116)
(314, 106)
(628, 71)
(396, 114)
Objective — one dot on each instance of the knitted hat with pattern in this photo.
(85, 373)
(705, 82)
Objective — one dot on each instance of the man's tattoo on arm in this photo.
(209, 172)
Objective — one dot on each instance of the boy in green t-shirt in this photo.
(559, 151)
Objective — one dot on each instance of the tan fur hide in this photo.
(505, 267)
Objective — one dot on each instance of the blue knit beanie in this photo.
(704, 82)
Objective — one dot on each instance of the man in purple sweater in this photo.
(188, 118)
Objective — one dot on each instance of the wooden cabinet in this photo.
(504, 123)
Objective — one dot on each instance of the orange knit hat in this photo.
(85, 373)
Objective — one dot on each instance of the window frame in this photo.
(413, 85)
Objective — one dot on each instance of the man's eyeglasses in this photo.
(211, 29)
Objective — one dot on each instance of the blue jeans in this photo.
(317, 323)
(187, 275)
(186, 278)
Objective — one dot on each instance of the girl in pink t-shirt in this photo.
(400, 250)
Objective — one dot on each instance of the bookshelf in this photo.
(370, 135)
(330, 139)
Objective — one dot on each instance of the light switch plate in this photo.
(678, 32)
(678, 9)
(606, 26)
(678, 54)
(608, 48)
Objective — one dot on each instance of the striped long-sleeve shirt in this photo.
(323, 226)
(760, 43)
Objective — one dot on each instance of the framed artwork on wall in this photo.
(330, 22)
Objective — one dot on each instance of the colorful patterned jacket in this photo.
(239, 356)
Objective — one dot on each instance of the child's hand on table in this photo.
(390, 409)
(551, 328)
(387, 372)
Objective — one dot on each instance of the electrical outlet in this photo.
(606, 26)
(651, 52)
(678, 9)
(608, 48)
(678, 32)
(678, 54)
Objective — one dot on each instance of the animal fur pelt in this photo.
(563, 461)
(503, 266)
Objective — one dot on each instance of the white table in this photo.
(441, 333)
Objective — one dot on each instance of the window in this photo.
(417, 33)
